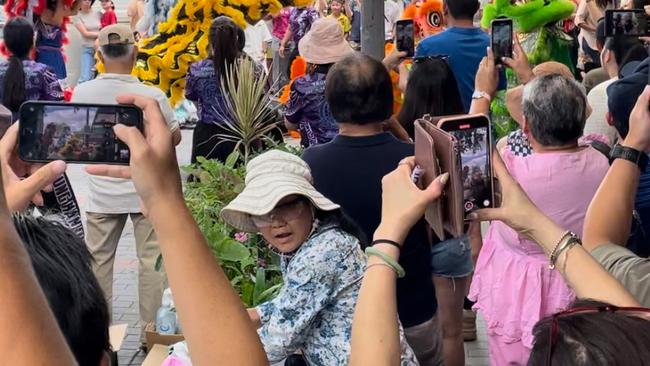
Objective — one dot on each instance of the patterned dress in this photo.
(308, 108)
(49, 43)
(313, 311)
(300, 22)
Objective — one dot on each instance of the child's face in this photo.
(336, 6)
(106, 4)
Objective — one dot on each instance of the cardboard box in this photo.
(156, 356)
(154, 338)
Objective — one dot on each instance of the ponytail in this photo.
(19, 39)
(14, 85)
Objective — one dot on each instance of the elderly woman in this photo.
(321, 260)
(513, 285)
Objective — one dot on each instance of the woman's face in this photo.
(85, 5)
(288, 225)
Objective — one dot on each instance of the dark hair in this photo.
(462, 9)
(555, 109)
(116, 50)
(593, 339)
(224, 33)
(319, 69)
(604, 3)
(62, 265)
(432, 89)
(626, 49)
(241, 39)
(344, 222)
(359, 90)
(19, 38)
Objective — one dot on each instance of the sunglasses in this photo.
(423, 59)
(555, 326)
(285, 213)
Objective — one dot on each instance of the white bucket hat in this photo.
(269, 178)
(324, 43)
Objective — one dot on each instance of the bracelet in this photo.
(553, 256)
(383, 264)
(386, 258)
(386, 241)
(568, 244)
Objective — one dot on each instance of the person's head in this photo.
(337, 7)
(117, 48)
(359, 91)
(601, 36)
(621, 98)
(106, 4)
(554, 110)
(460, 9)
(432, 89)
(324, 43)
(63, 267)
(86, 5)
(279, 201)
(241, 39)
(224, 33)
(18, 36)
(618, 51)
(591, 333)
(603, 4)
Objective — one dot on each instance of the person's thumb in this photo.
(486, 214)
(130, 136)
(435, 189)
(38, 180)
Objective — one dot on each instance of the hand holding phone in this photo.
(501, 39)
(77, 133)
(405, 37)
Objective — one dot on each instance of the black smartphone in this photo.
(405, 37)
(632, 23)
(501, 38)
(76, 133)
(474, 143)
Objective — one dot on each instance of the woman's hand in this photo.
(519, 63)
(517, 210)
(394, 59)
(487, 77)
(639, 135)
(23, 182)
(403, 203)
(153, 166)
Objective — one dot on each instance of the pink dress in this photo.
(512, 285)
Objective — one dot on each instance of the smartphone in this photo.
(474, 141)
(76, 133)
(405, 37)
(501, 38)
(632, 23)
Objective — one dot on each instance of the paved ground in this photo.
(125, 303)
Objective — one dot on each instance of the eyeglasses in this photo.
(423, 59)
(555, 326)
(285, 212)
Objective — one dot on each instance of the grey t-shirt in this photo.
(92, 22)
(631, 270)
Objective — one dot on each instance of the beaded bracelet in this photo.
(386, 258)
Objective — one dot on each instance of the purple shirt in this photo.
(308, 108)
(281, 23)
(204, 87)
(300, 21)
(40, 81)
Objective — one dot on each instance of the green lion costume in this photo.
(537, 23)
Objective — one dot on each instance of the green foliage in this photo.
(253, 269)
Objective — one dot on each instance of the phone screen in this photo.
(633, 23)
(473, 137)
(75, 132)
(501, 38)
(404, 37)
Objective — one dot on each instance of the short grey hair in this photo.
(555, 108)
(117, 52)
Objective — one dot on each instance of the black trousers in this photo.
(207, 143)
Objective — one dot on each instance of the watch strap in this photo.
(632, 155)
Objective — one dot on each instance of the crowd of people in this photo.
(559, 272)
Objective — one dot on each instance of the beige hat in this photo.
(324, 43)
(269, 178)
(515, 95)
(115, 34)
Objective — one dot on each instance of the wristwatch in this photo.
(627, 153)
(481, 94)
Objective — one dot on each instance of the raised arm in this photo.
(37, 340)
(487, 80)
(583, 273)
(216, 325)
(609, 217)
(375, 330)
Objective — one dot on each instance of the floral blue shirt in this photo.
(308, 108)
(300, 21)
(314, 310)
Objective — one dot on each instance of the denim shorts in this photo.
(452, 258)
